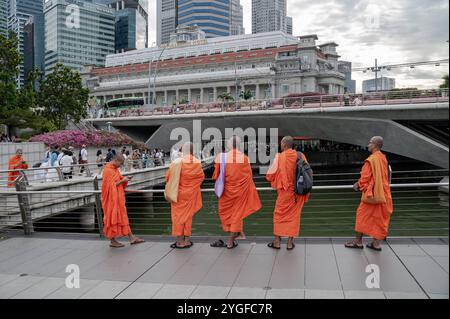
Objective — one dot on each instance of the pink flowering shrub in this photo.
(78, 138)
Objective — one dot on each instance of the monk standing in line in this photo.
(240, 198)
(115, 220)
(15, 163)
(375, 210)
(189, 198)
(288, 207)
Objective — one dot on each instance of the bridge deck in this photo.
(34, 267)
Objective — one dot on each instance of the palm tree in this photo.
(246, 95)
(445, 84)
(226, 97)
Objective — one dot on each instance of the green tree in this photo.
(17, 106)
(246, 95)
(62, 96)
(226, 97)
(445, 84)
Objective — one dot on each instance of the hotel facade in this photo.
(270, 65)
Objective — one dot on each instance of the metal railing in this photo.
(299, 102)
(75, 172)
(420, 209)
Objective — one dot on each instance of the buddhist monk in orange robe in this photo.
(240, 198)
(15, 163)
(288, 207)
(189, 199)
(115, 220)
(375, 210)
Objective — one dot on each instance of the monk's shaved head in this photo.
(375, 144)
(287, 142)
(118, 160)
(378, 141)
(19, 151)
(187, 148)
(234, 142)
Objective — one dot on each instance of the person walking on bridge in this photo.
(375, 210)
(184, 178)
(15, 163)
(115, 220)
(239, 198)
(288, 208)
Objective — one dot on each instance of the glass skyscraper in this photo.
(33, 44)
(216, 18)
(212, 16)
(20, 11)
(131, 23)
(77, 33)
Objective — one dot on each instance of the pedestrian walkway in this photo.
(35, 267)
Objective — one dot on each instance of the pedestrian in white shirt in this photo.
(83, 158)
(66, 162)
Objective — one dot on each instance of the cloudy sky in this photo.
(395, 31)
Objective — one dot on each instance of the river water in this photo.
(417, 211)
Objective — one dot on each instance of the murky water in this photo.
(417, 211)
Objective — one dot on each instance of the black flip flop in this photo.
(175, 246)
(272, 245)
(235, 244)
(353, 246)
(293, 246)
(371, 246)
(218, 244)
(190, 244)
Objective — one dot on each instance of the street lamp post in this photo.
(156, 74)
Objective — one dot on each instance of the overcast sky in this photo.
(395, 31)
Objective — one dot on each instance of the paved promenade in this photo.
(34, 267)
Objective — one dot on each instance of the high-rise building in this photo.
(4, 17)
(33, 46)
(289, 26)
(381, 84)
(237, 18)
(77, 33)
(214, 17)
(269, 15)
(167, 20)
(345, 67)
(20, 11)
(131, 23)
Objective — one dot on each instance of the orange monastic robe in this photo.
(373, 219)
(240, 198)
(115, 220)
(189, 200)
(288, 207)
(15, 162)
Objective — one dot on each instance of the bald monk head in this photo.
(187, 148)
(234, 142)
(118, 160)
(19, 152)
(375, 144)
(287, 143)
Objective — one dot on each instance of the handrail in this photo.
(211, 190)
(312, 101)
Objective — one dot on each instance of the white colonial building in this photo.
(270, 65)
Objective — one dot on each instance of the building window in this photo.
(286, 88)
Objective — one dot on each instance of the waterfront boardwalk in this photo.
(34, 267)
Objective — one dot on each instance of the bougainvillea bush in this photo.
(78, 138)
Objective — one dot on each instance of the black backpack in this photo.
(304, 177)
